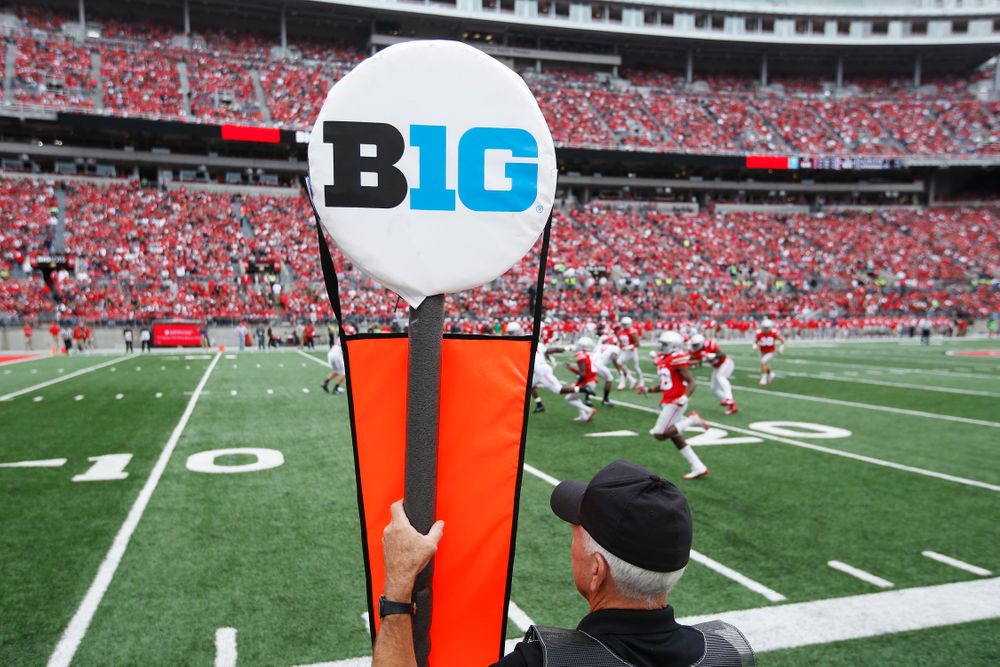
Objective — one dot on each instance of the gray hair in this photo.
(633, 581)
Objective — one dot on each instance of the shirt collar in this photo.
(628, 621)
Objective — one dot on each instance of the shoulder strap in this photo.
(725, 646)
(572, 648)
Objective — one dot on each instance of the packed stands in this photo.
(147, 253)
(639, 109)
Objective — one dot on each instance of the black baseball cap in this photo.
(632, 512)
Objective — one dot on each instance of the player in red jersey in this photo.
(677, 385)
(54, 331)
(769, 343)
(583, 367)
(703, 350)
(628, 341)
(28, 331)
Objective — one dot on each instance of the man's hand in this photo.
(406, 552)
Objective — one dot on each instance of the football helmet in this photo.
(585, 343)
(766, 324)
(513, 328)
(626, 321)
(670, 341)
(697, 342)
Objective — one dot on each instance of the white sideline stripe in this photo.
(225, 647)
(857, 573)
(696, 556)
(311, 358)
(63, 654)
(876, 408)
(837, 452)
(44, 463)
(901, 385)
(858, 616)
(62, 378)
(954, 562)
(774, 628)
(894, 369)
(518, 617)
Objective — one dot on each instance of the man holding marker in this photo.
(632, 533)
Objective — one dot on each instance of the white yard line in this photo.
(62, 378)
(312, 358)
(858, 573)
(63, 654)
(837, 452)
(44, 463)
(901, 385)
(545, 477)
(777, 627)
(225, 647)
(954, 562)
(875, 408)
(858, 616)
(696, 556)
(898, 369)
(741, 579)
(518, 617)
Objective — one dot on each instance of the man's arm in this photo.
(688, 378)
(406, 552)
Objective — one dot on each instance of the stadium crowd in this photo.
(142, 253)
(147, 69)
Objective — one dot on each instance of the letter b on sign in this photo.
(351, 163)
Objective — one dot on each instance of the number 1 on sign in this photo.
(105, 468)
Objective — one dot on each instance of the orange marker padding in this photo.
(483, 382)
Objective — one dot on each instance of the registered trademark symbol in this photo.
(539, 208)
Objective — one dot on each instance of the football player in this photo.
(703, 350)
(628, 340)
(335, 357)
(586, 379)
(605, 357)
(769, 343)
(677, 385)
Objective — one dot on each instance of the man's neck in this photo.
(614, 600)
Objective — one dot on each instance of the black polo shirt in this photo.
(644, 638)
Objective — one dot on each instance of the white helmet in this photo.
(670, 341)
(626, 321)
(513, 328)
(585, 343)
(766, 324)
(697, 342)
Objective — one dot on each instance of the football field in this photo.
(193, 508)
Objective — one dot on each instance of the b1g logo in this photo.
(432, 168)
(354, 158)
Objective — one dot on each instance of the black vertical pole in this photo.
(423, 389)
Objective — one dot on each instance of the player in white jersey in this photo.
(628, 341)
(605, 358)
(543, 374)
(335, 357)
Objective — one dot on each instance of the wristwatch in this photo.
(388, 607)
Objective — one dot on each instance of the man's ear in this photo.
(599, 573)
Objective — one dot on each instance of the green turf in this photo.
(276, 554)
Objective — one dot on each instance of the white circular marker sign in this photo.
(432, 168)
